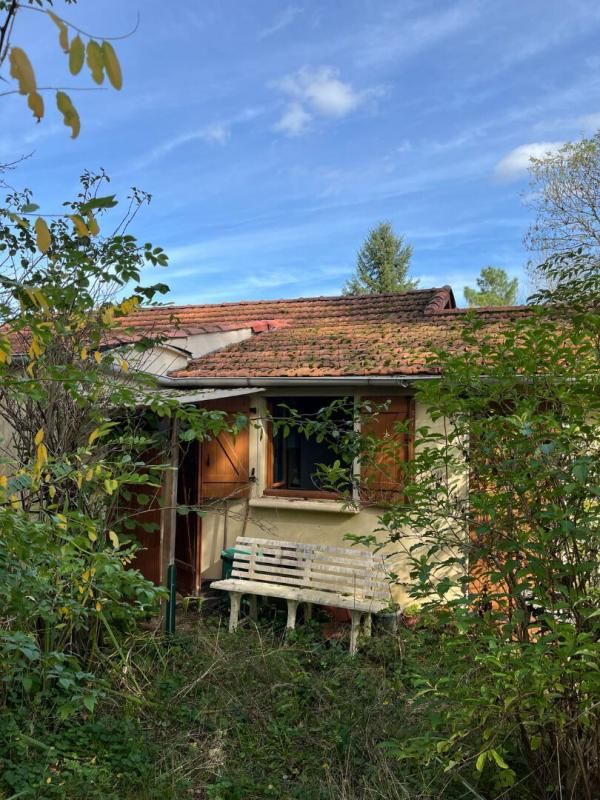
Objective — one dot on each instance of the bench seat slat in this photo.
(291, 559)
(289, 565)
(366, 605)
(341, 588)
(345, 583)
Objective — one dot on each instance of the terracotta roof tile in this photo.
(371, 335)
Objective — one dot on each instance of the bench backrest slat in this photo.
(356, 573)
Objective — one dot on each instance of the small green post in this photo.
(171, 588)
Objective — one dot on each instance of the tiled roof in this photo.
(366, 335)
(173, 321)
(342, 349)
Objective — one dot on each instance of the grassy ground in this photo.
(230, 717)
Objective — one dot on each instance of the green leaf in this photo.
(481, 759)
(89, 701)
(498, 759)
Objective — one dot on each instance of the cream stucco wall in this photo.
(320, 521)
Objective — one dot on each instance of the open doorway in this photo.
(188, 531)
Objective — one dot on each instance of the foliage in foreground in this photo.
(513, 564)
(72, 454)
(235, 717)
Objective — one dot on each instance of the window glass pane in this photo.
(295, 457)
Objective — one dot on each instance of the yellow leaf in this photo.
(95, 60)
(92, 224)
(76, 55)
(63, 36)
(92, 535)
(14, 501)
(108, 315)
(83, 353)
(97, 356)
(89, 475)
(129, 305)
(112, 66)
(62, 521)
(39, 437)
(94, 435)
(69, 112)
(42, 454)
(35, 348)
(124, 366)
(108, 486)
(64, 611)
(85, 575)
(37, 297)
(98, 605)
(80, 226)
(35, 102)
(114, 539)
(52, 491)
(42, 235)
(3, 482)
(21, 70)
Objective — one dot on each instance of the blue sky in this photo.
(273, 135)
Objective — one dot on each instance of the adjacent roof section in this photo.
(262, 315)
(361, 335)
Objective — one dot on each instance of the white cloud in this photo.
(284, 20)
(318, 92)
(218, 132)
(322, 89)
(516, 163)
(295, 120)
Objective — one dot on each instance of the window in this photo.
(294, 459)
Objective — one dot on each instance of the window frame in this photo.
(273, 490)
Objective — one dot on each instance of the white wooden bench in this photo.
(307, 573)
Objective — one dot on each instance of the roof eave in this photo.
(264, 382)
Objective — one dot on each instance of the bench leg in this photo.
(355, 615)
(292, 606)
(235, 599)
(366, 622)
(253, 607)
(308, 611)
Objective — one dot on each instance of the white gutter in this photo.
(351, 380)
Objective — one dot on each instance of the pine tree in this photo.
(494, 288)
(382, 264)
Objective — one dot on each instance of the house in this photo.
(258, 357)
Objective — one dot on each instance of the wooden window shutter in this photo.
(224, 463)
(381, 478)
